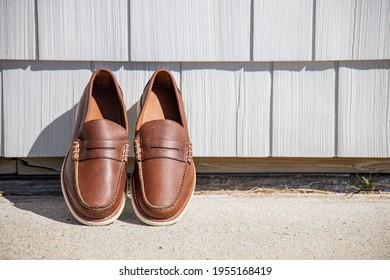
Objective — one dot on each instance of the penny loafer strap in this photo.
(100, 149)
(151, 148)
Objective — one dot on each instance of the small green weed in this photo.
(367, 183)
(364, 183)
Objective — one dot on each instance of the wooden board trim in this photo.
(264, 165)
(292, 165)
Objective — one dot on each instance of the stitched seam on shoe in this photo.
(91, 218)
(156, 210)
(141, 177)
(160, 208)
(144, 197)
(102, 208)
(78, 212)
(81, 200)
(86, 217)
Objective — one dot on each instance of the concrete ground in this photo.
(232, 225)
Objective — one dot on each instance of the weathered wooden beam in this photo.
(52, 166)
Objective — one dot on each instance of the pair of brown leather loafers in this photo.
(93, 176)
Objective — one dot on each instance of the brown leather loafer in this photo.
(93, 175)
(164, 175)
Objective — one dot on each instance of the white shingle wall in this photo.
(17, 29)
(188, 30)
(352, 29)
(282, 30)
(305, 78)
(212, 106)
(254, 110)
(364, 109)
(303, 109)
(83, 30)
(334, 29)
(40, 105)
(372, 30)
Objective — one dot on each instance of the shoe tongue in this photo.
(163, 130)
(103, 129)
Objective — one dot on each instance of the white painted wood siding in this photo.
(282, 30)
(214, 94)
(203, 30)
(372, 31)
(303, 109)
(187, 30)
(334, 29)
(254, 111)
(228, 108)
(352, 29)
(17, 29)
(83, 30)
(39, 114)
(259, 78)
(364, 109)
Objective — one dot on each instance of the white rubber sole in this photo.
(80, 219)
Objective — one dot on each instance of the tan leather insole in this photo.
(161, 105)
(105, 105)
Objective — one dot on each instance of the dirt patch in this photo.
(265, 191)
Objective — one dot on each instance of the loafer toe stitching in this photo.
(139, 209)
(164, 207)
(88, 217)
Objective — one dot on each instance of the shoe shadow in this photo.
(132, 119)
(55, 208)
(50, 207)
(55, 138)
(128, 215)
(43, 197)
